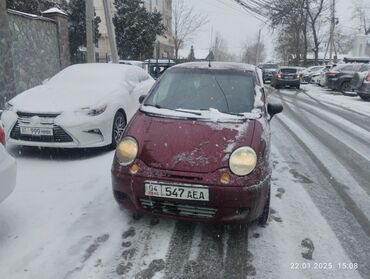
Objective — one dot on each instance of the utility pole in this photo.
(331, 42)
(258, 47)
(111, 33)
(90, 46)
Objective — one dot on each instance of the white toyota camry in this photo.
(85, 105)
(8, 169)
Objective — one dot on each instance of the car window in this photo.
(202, 90)
(288, 70)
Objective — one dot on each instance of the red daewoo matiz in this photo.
(199, 147)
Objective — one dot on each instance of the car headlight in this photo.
(126, 151)
(243, 161)
(94, 111)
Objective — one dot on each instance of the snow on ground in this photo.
(62, 220)
(336, 98)
(298, 242)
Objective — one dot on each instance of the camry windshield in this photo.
(226, 91)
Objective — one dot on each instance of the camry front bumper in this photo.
(68, 131)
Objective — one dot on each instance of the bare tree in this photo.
(220, 49)
(250, 52)
(185, 23)
(314, 10)
(361, 14)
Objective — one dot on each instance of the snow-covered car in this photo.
(85, 105)
(310, 72)
(361, 84)
(8, 169)
(199, 147)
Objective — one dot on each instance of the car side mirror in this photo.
(142, 98)
(274, 108)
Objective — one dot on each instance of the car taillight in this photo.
(331, 74)
(368, 77)
(2, 136)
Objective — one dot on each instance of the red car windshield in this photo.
(195, 89)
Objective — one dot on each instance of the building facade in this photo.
(164, 46)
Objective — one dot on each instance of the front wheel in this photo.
(119, 124)
(262, 220)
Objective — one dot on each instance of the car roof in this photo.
(217, 66)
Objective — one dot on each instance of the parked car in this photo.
(86, 105)
(8, 169)
(199, 147)
(317, 75)
(268, 71)
(287, 76)
(339, 78)
(310, 72)
(362, 85)
(156, 67)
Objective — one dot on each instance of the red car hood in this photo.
(187, 145)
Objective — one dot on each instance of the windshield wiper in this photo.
(179, 110)
(233, 113)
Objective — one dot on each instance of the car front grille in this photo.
(59, 135)
(178, 209)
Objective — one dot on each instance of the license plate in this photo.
(36, 131)
(289, 77)
(174, 191)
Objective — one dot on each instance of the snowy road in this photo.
(62, 222)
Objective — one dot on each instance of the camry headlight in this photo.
(94, 111)
(243, 161)
(126, 151)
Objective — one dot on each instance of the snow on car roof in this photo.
(217, 66)
(91, 71)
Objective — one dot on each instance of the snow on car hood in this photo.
(188, 145)
(50, 98)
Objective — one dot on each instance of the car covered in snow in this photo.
(85, 105)
(198, 149)
(361, 83)
(308, 73)
(8, 169)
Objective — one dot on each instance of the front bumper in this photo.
(227, 204)
(68, 131)
(285, 82)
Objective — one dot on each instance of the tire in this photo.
(345, 87)
(119, 124)
(298, 86)
(262, 220)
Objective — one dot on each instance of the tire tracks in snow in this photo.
(202, 251)
(342, 223)
(353, 160)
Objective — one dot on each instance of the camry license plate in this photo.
(177, 191)
(36, 131)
